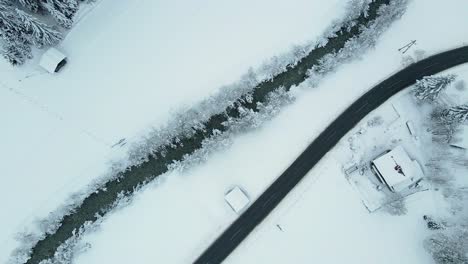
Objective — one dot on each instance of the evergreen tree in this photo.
(429, 87)
(16, 54)
(19, 31)
(15, 47)
(61, 10)
(38, 33)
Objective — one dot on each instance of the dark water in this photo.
(102, 201)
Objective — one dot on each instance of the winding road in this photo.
(259, 210)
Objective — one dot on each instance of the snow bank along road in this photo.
(259, 210)
(101, 201)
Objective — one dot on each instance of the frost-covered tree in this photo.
(16, 53)
(407, 60)
(456, 114)
(19, 31)
(61, 10)
(429, 87)
(355, 7)
(419, 54)
(15, 46)
(38, 33)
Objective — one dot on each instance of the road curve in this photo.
(267, 201)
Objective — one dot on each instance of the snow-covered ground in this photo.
(130, 66)
(326, 219)
(129, 79)
(186, 210)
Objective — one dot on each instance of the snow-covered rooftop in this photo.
(460, 138)
(237, 199)
(397, 169)
(52, 59)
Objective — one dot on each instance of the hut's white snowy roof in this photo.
(51, 59)
(237, 199)
(398, 170)
(460, 139)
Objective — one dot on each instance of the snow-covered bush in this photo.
(354, 9)
(432, 224)
(71, 247)
(429, 88)
(248, 120)
(355, 47)
(375, 121)
(38, 33)
(407, 60)
(419, 54)
(410, 59)
(397, 207)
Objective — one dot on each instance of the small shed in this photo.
(53, 60)
(396, 169)
(460, 138)
(237, 199)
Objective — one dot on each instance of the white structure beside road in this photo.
(237, 199)
(397, 170)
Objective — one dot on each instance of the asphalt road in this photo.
(260, 209)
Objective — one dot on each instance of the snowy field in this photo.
(130, 66)
(326, 219)
(129, 79)
(169, 214)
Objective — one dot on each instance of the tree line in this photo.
(448, 240)
(429, 90)
(23, 26)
